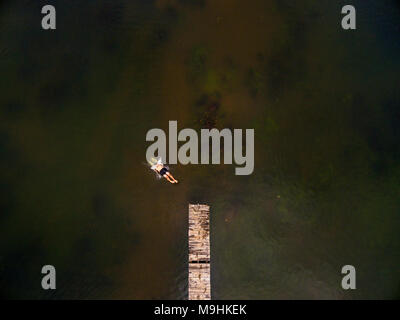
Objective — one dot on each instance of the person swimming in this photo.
(162, 170)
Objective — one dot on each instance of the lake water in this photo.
(76, 104)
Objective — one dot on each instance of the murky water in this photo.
(76, 104)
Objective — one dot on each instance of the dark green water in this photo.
(76, 104)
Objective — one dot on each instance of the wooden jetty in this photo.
(199, 252)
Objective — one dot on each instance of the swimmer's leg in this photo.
(171, 177)
(168, 178)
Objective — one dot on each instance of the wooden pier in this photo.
(199, 252)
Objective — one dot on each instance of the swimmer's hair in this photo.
(152, 161)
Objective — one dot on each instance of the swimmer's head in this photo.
(152, 161)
